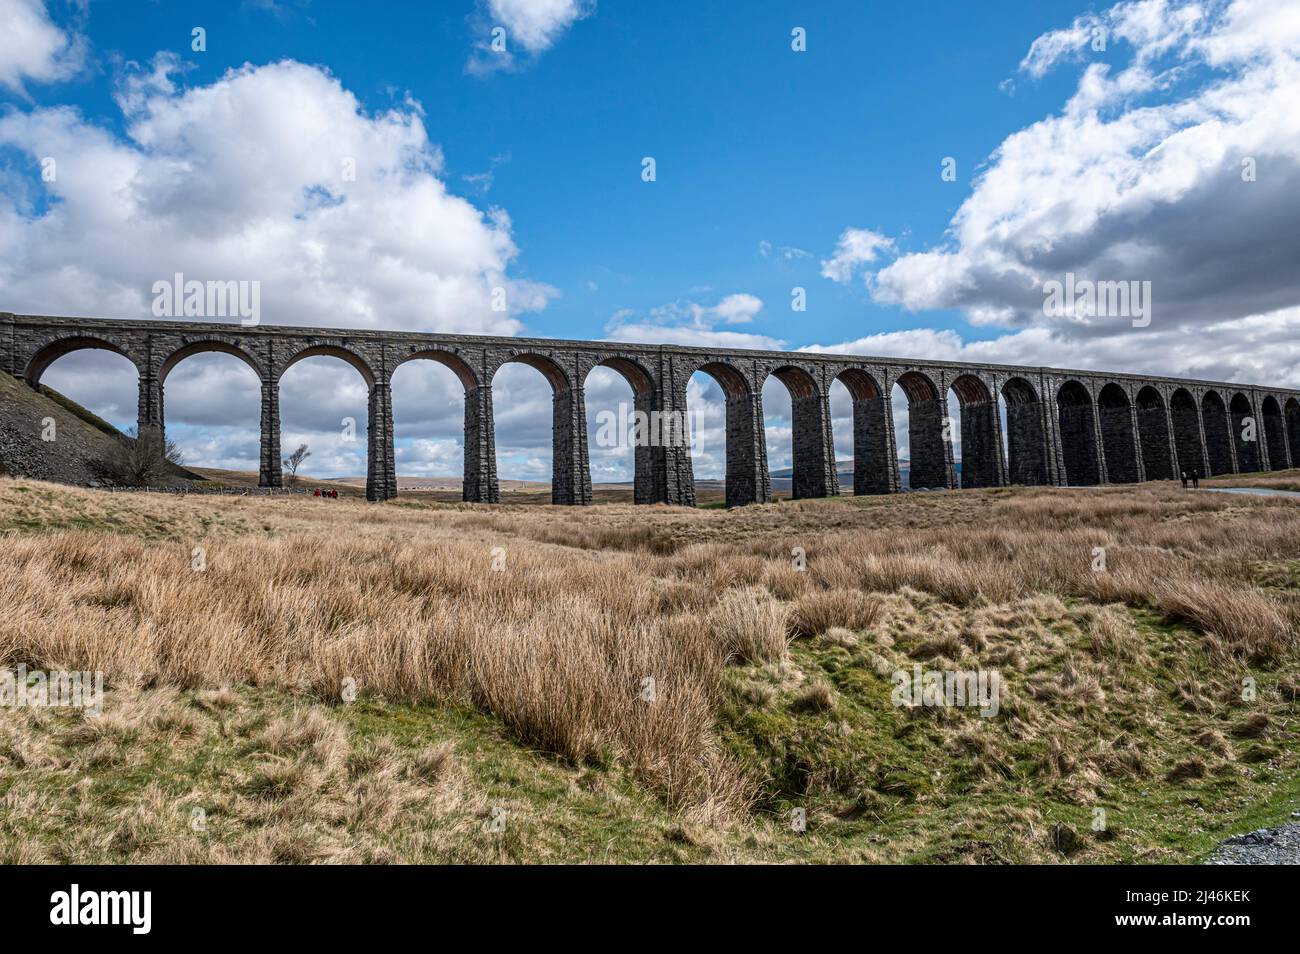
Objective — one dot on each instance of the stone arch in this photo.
(1077, 419)
(381, 476)
(191, 347)
(550, 369)
(146, 400)
(1118, 440)
(648, 430)
(875, 459)
(1274, 429)
(1292, 413)
(332, 351)
(1153, 435)
(1218, 435)
(1026, 440)
(455, 363)
(1244, 426)
(812, 443)
(929, 449)
(1186, 418)
(747, 478)
(203, 346)
(50, 352)
(982, 464)
(478, 483)
(570, 463)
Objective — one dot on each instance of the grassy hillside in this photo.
(650, 684)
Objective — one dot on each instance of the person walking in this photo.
(1196, 479)
(1184, 480)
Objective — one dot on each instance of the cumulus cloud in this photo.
(1178, 166)
(271, 173)
(274, 174)
(857, 247)
(33, 48)
(531, 27)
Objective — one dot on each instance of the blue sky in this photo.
(775, 169)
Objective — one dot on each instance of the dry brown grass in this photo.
(403, 601)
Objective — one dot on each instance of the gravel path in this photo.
(1266, 846)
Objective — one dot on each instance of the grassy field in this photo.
(649, 684)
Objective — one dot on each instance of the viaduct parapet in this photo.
(1063, 427)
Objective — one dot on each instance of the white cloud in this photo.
(249, 178)
(244, 179)
(531, 26)
(33, 48)
(693, 324)
(1140, 178)
(857, 247)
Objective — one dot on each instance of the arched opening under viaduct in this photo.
(1274, 432)
(1153, 435)
(1245, 434)
(1026, 440)
(433, 427)
(1119, 443)
(521, 446)
(1078, 427)
(741, 431)
(871, 437)
(622, 429)
(1218, 436)
(212, 397)
(1293, 429)
(92, 373)
(324, 397)
(1187, 433)
(812, 458)
(928, 447)
(980, 433)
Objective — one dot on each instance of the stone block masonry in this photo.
(1077, 427)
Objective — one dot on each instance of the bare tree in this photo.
(294, 460)
(141, 460)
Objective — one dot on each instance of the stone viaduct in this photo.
(1064, 427)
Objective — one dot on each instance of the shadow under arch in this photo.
(1218, 434)
(929, 448)
(1274, 432)
(982, 464)
(1292, 412)
(1245, 433)
(1026, 435)
(1153, 435)
(1077, 421)
(875, 458)
(1185, 415)
(1119, 442)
